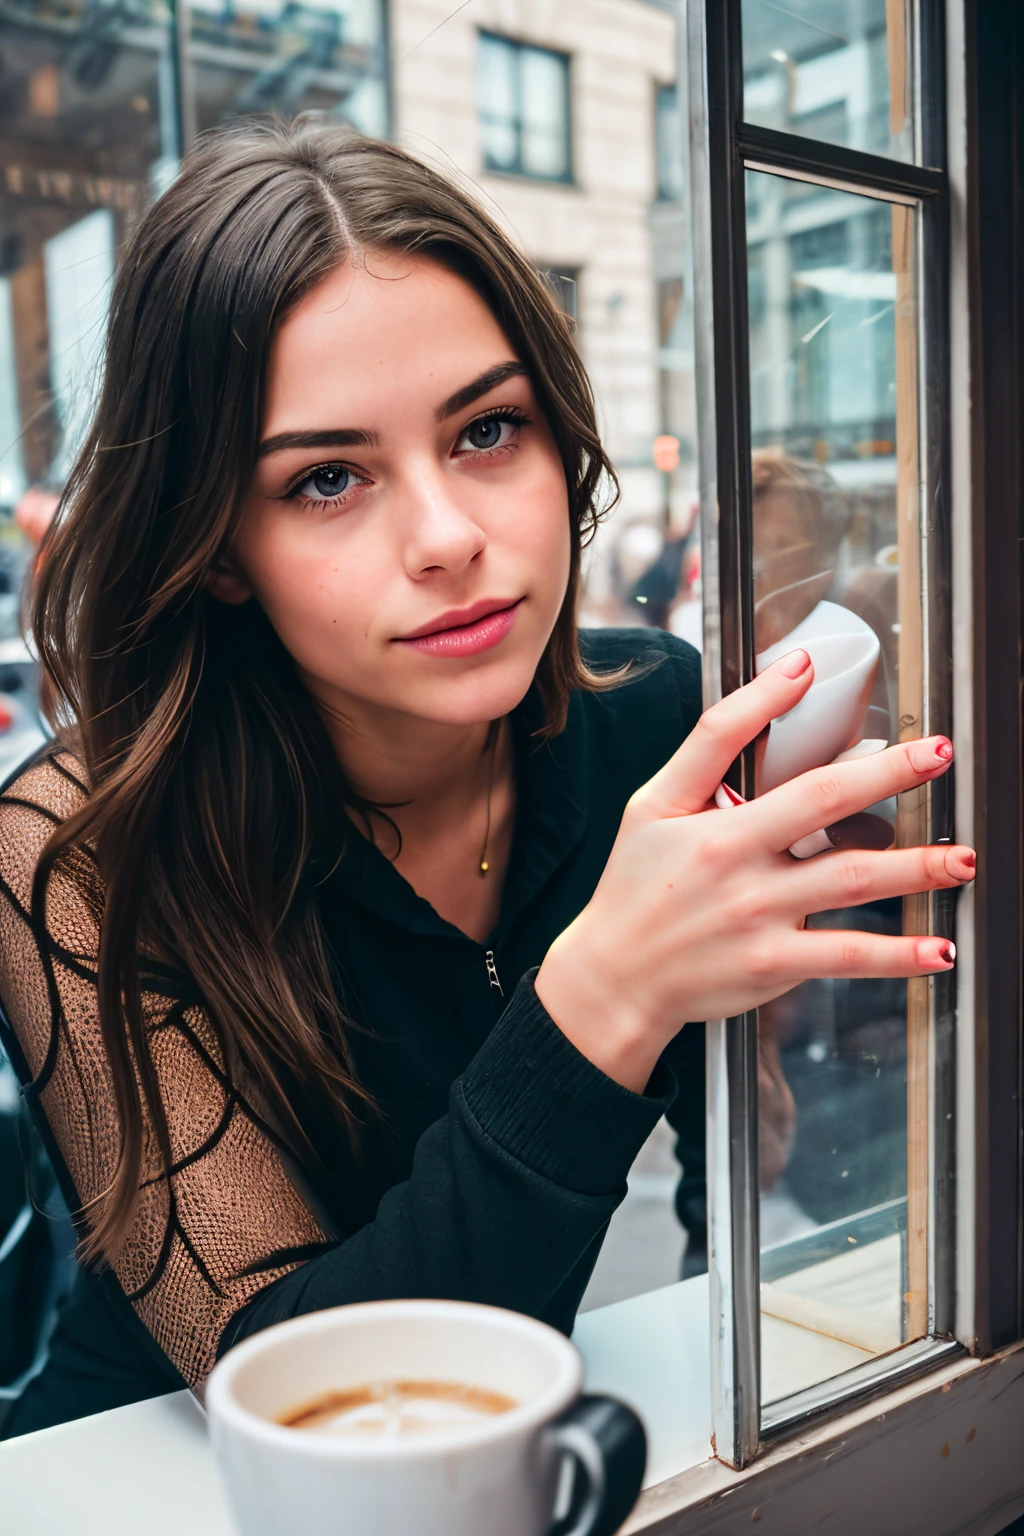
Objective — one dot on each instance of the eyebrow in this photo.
(329, 437)
(480, 386)
(358, 437)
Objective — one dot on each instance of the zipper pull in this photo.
(492, 970)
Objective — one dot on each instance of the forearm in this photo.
(508, 1195)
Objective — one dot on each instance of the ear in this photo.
(226, 583)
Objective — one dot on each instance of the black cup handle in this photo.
(608, 1449)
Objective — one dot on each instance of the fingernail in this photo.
(794, 664)
(970, 859)
(928, 755)
(931, 953)
(814, 842)
(726, 798)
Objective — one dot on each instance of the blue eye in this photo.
(326, 481)
(494, 431)
(486, 433)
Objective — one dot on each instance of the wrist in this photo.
(601, 1020)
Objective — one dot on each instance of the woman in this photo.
(336, 776)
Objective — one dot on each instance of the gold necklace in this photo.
(496, 732)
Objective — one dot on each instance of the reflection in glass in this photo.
(249, 56)
(79, 267)
(835, 481)
(86, 121)
(837, 70)
(87, 129)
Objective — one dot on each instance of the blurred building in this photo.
(823, 265)
(96, 99)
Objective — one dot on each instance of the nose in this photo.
(438, 532)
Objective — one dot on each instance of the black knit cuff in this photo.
(532, 1092)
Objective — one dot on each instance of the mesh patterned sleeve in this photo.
(226, 1220)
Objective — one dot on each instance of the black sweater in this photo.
(499, 1153)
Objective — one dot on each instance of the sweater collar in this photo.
(551, 818)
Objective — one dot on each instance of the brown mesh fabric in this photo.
(228, 1205)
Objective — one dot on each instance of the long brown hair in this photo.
(212, 783)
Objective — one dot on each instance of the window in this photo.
(841, 74)
(668, 136)
(564, 283)
(831, 1231)
(523, 108)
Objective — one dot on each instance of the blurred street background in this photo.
(569, 122)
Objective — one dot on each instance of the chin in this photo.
(485, 693)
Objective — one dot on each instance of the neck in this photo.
(424, 767)
(450, 792)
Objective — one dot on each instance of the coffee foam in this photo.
(399, 1410)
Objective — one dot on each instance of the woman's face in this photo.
(407, 485)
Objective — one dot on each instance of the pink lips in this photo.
(467, 639)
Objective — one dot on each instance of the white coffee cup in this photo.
(830, 717)
(507, 1475)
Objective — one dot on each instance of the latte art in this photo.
(399, 1410)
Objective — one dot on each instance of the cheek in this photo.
(539, 531)
(311, 585)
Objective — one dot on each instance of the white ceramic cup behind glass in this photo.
(506, 1477)
(830, 717)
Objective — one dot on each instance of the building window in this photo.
(564, 284)
(523, 108)
(669, 144)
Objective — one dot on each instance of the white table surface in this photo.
(147, 1470)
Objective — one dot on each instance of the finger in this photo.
(825, 795)
(835, 953)
(690, 777)
(851, 878)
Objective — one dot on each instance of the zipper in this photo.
(492, 970)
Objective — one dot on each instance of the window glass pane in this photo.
(12, 462)
(497, 96)
(88, 129)
(287, 57)
(837, 70)
(669, 131)
(835, 468)
(544, 83)
(79, 267)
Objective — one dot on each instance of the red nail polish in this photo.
(944, 749)
(726, 797)
(948, 953)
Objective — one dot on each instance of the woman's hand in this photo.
(699, 913)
